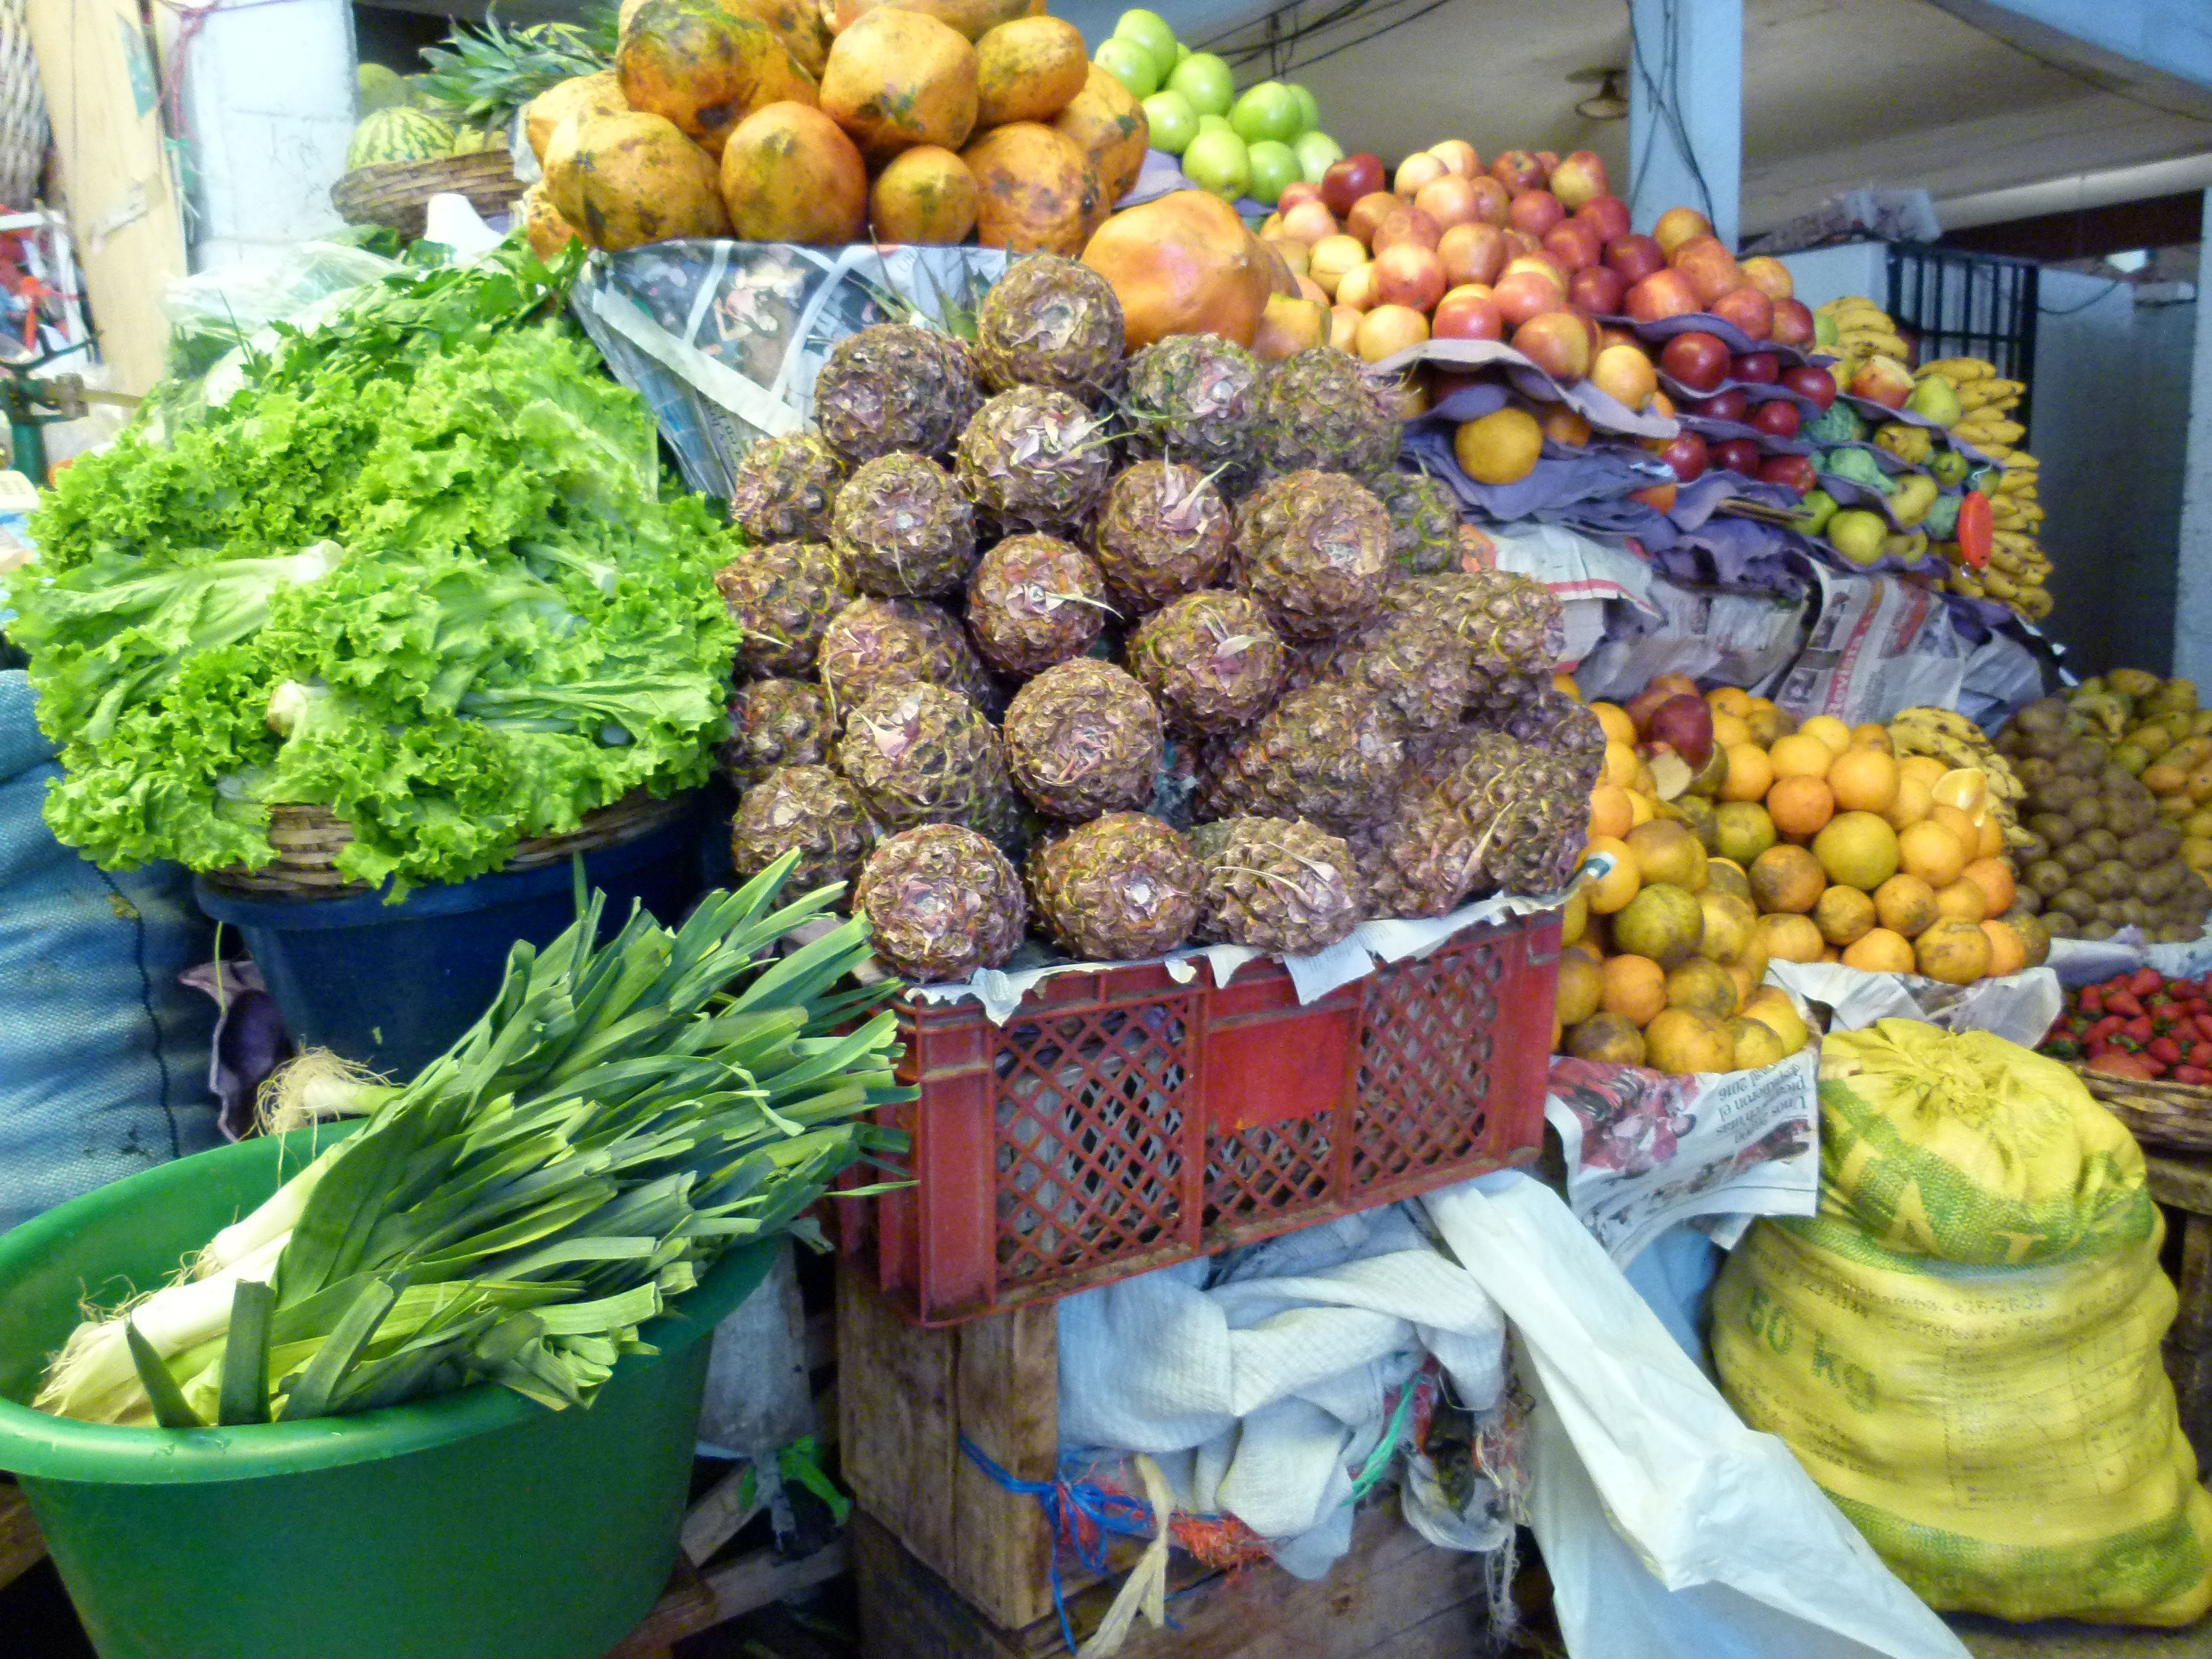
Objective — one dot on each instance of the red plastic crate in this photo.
(1120, 1121)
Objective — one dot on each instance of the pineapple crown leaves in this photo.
(953, 315)
(494, 70)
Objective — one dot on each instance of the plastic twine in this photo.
(1080, 1513)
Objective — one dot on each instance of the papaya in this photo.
(790, 174)
(926, 195)
(1028, 70)
(797, 23)
(1184, 265)
(973, 18)
(1036, 190)
(581, 94)
(705, 68)
(896, 79)
(625, 181)
(1109, 123)
(549, 233)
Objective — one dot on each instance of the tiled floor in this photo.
(1988, 1638)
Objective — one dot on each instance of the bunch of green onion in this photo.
(620, 1117)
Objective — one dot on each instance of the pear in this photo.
(1950, 467)
(1857, 534)
(1936, 398)
(1909, 500)
(1814, 512)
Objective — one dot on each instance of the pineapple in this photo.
(1528, 810)
(1118, 889)
(1194, 399)
(773, 723)
(1553, 721)
(1317, 411)
(1415, 663)
(1034, 601)
(782, 596)
(1163, 533)
(1314, 548)
(943, 902)
(1329, 753)
(895, 386)
(920, 753)
(1512, 623)
(1034, 459)
(1424, 522)
(1210, 659)
(875, 645)
(1276, 884)
(783, 490)
(807, 807)
(1418, 861)
(1050, 322)
(903, 529)
(1083, 739)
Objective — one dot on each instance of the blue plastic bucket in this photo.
(392, 986)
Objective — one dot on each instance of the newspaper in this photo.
(2018, 1007)
(1879, 644)
(1708, 633)
(1646, 1150)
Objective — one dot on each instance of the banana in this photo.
(2005, 559)
(1959, 371)
(1998, 586)
(1909, 444)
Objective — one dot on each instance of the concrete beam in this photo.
(2192, 608)
(1685, 111)
(2159, 51)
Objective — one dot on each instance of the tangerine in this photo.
(1864, 780)
(1634, 988)
(1771, 1007)
(1791, 938)
(1911, 803)
(1610, 814)
(2008, 952)
(1663, 921)
(1800, 805)
(1962, 901)
(1750, 774)
(1731, 700)
(1966, 828)
(1612, 890)
(1844, 915)
(1730, 730)
(1879, 951)
(1703, 988)
(1829, 730)
(1666, 850)
(1926, 767)
(1742, 829)
(1859, 849)
(1905, 905)
(1622, 763)
(1682, 1042)
(1994, 877)
(1953, 952)
(1757, 1046)
(1801, 755)
(1501, 447)
(1787, 878)
(1582, 987)
(1871, 735)
(1929, 850)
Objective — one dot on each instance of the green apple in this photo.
(1317, 153)
(1216, 123)
(1266, 110)
(1173, 121)
(1274, 164)
(1858, 535)
(1131, 65)
(1183, 54)
(1308, 108)
(1814, 512)
(1149, 30)
(1949, 466)
(1219, 162)
(1206, 81)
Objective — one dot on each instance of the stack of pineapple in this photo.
(1169, 633)
(2018, 569)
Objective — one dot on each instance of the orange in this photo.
(1912, 801)
(1931, 852)
(1750, 774)
(1574, 918)
(1582, 987)
(1864, 780)
(1610, 814)
(1829, 730)
(1872, 735)
(1858, 849)
(1622, 763)
(1962, 825)
(1926, 767)
(1801, 755)
(1844, 914)
(1730, 730)
(1642, 809)
(1786, 878)
(1993, 842)
(1962, 901)
(1618, 728)
(1906, 904)
(1955, 953)
(1500, 448)
(1732, 700)
(2007, 955)
(1800, 806)
(1635, 987)
(1684, 1042)
(1747, 977)
(1614, 892)
(1994, 877)
(1878, 950)
(1766, 721)
(1829, 954)
(1666, 850)
(1791, 938)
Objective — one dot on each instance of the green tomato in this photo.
(1266, 110)
(1131, 65)
(1218, 161)
(1274, 164)
(1149, 30)
(1317, 153)
(1206, 81)
(1308, 108)
(1173, 121)
(1216, 123)
(1183, 54)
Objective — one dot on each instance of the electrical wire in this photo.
(2112, 285)
(1666, 99)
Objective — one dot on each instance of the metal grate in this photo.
(1958, 304)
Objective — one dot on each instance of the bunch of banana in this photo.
(1913, 445)
(1861, 330)
(1956, 741)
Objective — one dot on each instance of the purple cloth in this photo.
(250, 1039)
(1560, 481)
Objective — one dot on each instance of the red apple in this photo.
(1793, 322)
(1522, 295)
(1574, 246)
(1368, 214)
(1536, 211)
(1685, 453)
(1598, 290)
(1759, 368)
(1518, 171)
(1557, 342)
(1464, 315)
(1449, 201)
(1808, 380)
(1729, 405)
(1635, 257)
(1792, 472)
(1347, 180)
(1492, 205)
(1417, 169)
(1624, 374)
(1309, 221)
(1748, 309)
(1458, 155)
(1662, 294)
(1473, 252)
(1578, 178)
(1769, 277)
(1776, 417)
(1296, 191)
(1685, 725)
(1883, 380)
(1448, 382)
(1405, 224)
(1606, 215)
(1611, 337)
(1712, 270)
(1547, 160)
(1698, 359)
(1737, 455)
(1407, 274)
(1677, 225)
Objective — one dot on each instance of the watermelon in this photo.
(398, 134)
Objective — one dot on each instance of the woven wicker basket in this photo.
(397, 193)
(2177, 1117)
(308, 839)
(22, 111)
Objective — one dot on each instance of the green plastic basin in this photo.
(476, 1526)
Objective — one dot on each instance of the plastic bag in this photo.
(215, 317)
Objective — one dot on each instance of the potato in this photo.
(1036, 190)
(549, 233)
(1028, 70)
(625, 181)
(790, 174)
(973, 18)
(896, 79)
(582, 95)
(705, 68)
(926, 195)
(1108, 124)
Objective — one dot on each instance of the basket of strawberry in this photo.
(2143, 1043)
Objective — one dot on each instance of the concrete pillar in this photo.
(2192, 610)
(1685, 111)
